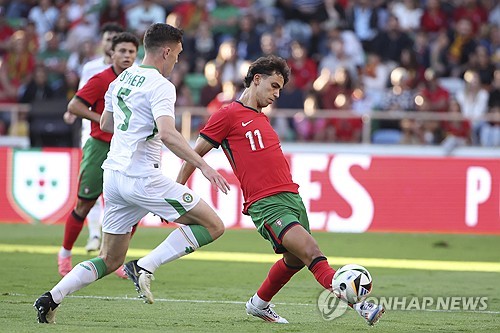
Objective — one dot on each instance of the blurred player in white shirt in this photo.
(108, 31)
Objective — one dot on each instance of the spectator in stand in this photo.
(303, 68)
(276, 42)
(38, 89)
(44, 15)
(142, 15)
(337, 95)
(472, 11)
(462, 45)
(338, 58)
(247, 38)
(333, 13)
(456, 132)
(191, 14)
(473, 101)
(80, 57)
(16, 68)
(204, 42)
(55, 59)
(228, 64)
(113, 12)
(432, 98)
(480, 62)
(490, 131)
(438, 56)
(422, 50)
(398, 97)
(414, 71)
(391, 42)
(362, 18)
(374, 79)
(224, 20)
(6, 32)
(214, 85)
(409, 15)
(291, 97)
(434, 18)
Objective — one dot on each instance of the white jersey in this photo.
(137, 97)
(90, 69)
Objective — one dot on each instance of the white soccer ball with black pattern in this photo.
(352, 283)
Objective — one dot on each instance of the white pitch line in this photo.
(168, 300)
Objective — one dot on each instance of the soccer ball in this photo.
(352, 283)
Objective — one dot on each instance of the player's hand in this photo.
(216, 179)
(69, 118)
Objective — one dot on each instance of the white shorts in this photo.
(127, 200)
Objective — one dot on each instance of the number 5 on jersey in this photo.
(124, 92)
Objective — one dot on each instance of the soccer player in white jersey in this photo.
(140, 111)
(91, 68)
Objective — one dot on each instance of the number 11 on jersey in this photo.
(250, 137)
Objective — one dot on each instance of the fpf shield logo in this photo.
(40, 182)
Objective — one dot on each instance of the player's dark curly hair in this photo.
(159, 34)
(112, 27)
(125, 37)
(267, 65)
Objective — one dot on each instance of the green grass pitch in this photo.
(209, 294)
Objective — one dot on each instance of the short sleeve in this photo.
(108, 101)
(217, 127)
(92, 91)
(163, 100)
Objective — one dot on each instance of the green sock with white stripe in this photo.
(180, 242)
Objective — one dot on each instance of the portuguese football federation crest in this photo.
(40, 182)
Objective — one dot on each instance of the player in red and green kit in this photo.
(271, 197)
(95, 150)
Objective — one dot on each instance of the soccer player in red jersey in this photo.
(91, 95)
(271, 197)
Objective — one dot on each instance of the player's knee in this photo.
(217, 229)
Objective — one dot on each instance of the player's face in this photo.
(268, 89)
(106, 42)
(124, 55)
(171, 56)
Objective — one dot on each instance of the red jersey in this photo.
(253, 149)
(92, 94)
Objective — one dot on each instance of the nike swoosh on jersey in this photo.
(245, 124)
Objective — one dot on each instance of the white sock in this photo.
(94, 219)
(80, 276)
(64, 253)
(180, 242)
(259, 302)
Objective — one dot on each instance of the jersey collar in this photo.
(248, 107)
(149, 66)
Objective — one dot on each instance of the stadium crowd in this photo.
(349, 55)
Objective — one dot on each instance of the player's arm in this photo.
(78, 108)
(174, 141)
(202, 147)
(107, 123)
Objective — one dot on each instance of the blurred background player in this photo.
(94, 217)
(88, 103)
(271, 197)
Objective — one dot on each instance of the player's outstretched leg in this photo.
(266, 313)
(142, 280)
(94, 222)
(72, 228)
(46, 309)
(259, 304)
(371, 312)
